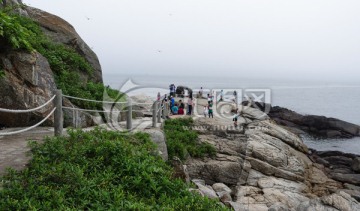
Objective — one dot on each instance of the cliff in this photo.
(60, 59)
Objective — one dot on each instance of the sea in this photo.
(331, 99)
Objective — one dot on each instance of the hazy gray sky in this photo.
(264, 38)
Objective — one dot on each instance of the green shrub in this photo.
(98, 170)
(2, 74)
(14, 32)
(181, 140)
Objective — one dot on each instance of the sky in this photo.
(307, 39)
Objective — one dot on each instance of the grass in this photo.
(98, 170)
(182, 141)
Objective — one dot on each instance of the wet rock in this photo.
(347, 178)
(356, 164)
(316, 125)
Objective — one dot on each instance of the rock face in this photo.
(266, 167)
(60, 31)
(12, 3)
(29, 81)
(316, 125)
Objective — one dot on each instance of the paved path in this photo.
(14, 148)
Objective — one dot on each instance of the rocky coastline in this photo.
(265, 166)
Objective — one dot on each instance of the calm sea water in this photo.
(319, 98)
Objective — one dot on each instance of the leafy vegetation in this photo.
(98, 170)
(23, 33)
(181, 140)
(13, 32)
(2, 73)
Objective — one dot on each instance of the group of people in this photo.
(176, 108)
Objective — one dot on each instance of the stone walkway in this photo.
(14, 148)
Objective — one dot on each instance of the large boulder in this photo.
(28, 83)
(60, 31)
(180, 91)
(158, 137)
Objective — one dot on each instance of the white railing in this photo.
(158, 112)
(28, 111)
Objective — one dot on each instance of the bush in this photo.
(95, 170)
(181, 140)
(14, 32)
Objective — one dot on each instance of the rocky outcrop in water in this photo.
(180, 91)
(267, 168)
(320, 126)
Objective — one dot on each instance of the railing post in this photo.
(58, 114)
(159, 113)
(154, 112)
(165, 111)
(77, 119)
(129, 114)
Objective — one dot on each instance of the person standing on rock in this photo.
(221, 96)
(190, 106)
(206, 111)
(172, 89)
(158, 97)
(235, 118)
(208, 99)
(172, 102)
(210, 107)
